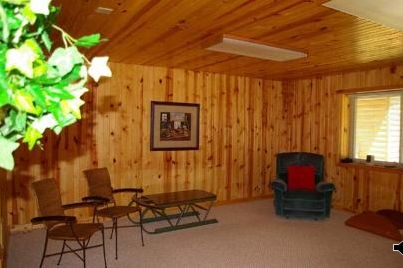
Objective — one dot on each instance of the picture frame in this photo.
(174, 126)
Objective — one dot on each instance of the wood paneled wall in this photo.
(3, 219)
(244, 123)
(312, 108)
(240, 124)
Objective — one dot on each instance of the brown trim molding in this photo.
(373, 167)
(370, 89)
(242, 200)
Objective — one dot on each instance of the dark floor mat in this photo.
(376, 224)
(396, 217)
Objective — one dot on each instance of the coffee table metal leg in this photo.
(183, 212)
(208, 210)
(196, 212)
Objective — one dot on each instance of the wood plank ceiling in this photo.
(174, 33)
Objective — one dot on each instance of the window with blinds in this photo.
(376, 126)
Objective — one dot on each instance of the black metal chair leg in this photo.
(141, 228)
(84, 256)
(103, 245)
(113, 228)
(116, 238)
(61, 253)
(44, 249)
(94, 215)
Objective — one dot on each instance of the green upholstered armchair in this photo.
(301, 203)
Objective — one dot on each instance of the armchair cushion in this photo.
(301, 177)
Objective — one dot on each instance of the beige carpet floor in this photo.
(247, 235)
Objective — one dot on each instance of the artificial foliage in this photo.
(40, 85)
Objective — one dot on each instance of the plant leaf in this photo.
(5, 93)
(40, 6)
(6, 156)
(31, 137)
(58, 92)
(29, 15)
(72, 77)
(46, 40)
(99, 67)
(40, 68)
(4, 97)
(44, 122)
(24, 101)
(88, 40)
(38, 93)
(61, 118)
(22, 58)
(64, 59)
(16, 2)
(15, 121)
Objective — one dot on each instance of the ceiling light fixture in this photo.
(254, 49)
(385, 12)
(104, 10)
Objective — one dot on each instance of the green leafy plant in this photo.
(40, 86)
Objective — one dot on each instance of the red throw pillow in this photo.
(301, 178)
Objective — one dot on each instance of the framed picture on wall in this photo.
(174, 126)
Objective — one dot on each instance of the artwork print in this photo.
(174, 126)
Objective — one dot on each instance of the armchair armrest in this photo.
(97, 199)
(86, 204)
(128, 190)
(325, 187)
(66, 219)
(278, 184)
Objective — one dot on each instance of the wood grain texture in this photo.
(174, 33)
(240, 120)
(3, 219)
(314, 123)
(244, 123)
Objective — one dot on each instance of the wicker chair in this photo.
(61, 227)
(100, 189)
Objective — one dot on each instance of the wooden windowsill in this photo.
(375, 167)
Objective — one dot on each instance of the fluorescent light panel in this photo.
(104, 10)
(385, 12)
(255, 50)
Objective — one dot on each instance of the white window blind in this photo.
(376, 122)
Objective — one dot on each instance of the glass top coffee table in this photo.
(187, 204)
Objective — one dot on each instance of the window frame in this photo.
(352, 98)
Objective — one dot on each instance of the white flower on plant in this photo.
(40, 6)
(99, 67)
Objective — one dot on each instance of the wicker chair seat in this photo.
(82, 231)
(100, 187)
(116, 211)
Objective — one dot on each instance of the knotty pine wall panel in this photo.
(241, 125)
(312, 108)
(3, 219)
(244, 123)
